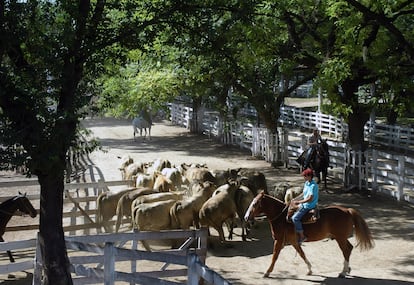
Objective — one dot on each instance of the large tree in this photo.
(374, 50)
(261, 49)
(49, 50)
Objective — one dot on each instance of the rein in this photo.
(277, 216)
(6, 212)
(17, 210)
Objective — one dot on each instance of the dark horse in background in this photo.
(319, 161)
(8, 208)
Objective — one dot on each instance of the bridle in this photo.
(21, 205)
(277, 216)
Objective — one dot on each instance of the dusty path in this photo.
(243, 263)
(392, 224)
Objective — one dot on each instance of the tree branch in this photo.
(386, 23)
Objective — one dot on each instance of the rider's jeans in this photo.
(308, 156)
(297, 217)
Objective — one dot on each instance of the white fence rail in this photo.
(327, 124)
(188, 262)
(353, 167)
(394, 137)
(19, 264)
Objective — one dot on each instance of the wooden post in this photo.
(192, 276)
(38, 260)
(202, 243)
(109, 264)
(134, 246)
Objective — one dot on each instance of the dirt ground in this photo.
(242, 263)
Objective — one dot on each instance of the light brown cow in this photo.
(254, 180)
(146, 180)
(130, 172)
(153, 217)
(220, 207)
(163, 184)
(125, 160)
(195, 174)
(174, 174)
(123, 207)
(185, 212)
(106, 206)
(243, 198)
(155, 197)
(158, 165)
(292, 193)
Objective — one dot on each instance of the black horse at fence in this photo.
(319, 161)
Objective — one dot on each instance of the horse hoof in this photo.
(341, 275)
(309, 273)
(266, 275)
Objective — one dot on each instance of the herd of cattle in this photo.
(168, 197)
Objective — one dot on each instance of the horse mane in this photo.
(11, 199)
(274, 198)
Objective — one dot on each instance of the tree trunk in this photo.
(356, 123)
(56, 264)
(359, 115)
(195, 119)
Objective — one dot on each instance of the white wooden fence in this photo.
(187, 263)
(355, 168)
(79, 218)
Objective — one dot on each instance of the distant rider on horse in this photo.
(313, 142)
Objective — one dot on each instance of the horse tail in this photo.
(99, 209)
(119, 214)
(363, 234)
(175, 221)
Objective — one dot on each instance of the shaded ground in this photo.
(242, 263)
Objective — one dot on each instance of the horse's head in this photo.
(321, 159)
(324, 148)
(254, 207)
(264, 204)
(25, 206)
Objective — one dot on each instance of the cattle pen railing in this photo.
(79, 221)
(97, 256)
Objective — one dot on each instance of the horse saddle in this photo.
(309, 218)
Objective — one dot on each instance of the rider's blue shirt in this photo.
(310, 188)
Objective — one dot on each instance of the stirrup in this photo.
(300, 241)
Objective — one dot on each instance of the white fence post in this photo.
(285, 143)
(374, 164)
(401, 174)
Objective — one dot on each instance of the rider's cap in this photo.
(307, 172)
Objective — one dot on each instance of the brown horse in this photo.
(7, 210)
(335, 222)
